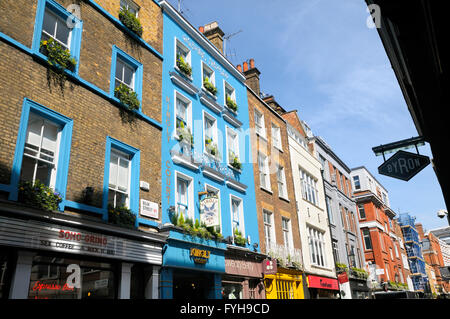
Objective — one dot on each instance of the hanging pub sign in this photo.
(209, 210)
(404, 165)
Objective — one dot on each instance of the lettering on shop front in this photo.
(200, 256)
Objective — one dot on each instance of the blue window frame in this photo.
(133, 155)
(65, 125)
(121, 65)
(59, 24)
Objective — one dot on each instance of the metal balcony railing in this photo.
(286, 256)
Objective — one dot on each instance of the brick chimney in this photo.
(274, 104)
(420, 232)
(214, 34)
(252, 76)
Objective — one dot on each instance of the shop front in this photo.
(192, 267)
(282, 283)
(322, 287)
(243, 277)
(359, 288)
(51, 260)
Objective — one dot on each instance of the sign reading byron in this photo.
(404, 165)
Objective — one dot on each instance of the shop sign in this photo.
(242, 267)
(270, 267)
(38, 235)
(343, 277)
(209, 211)
(322, 283)
(200, 256)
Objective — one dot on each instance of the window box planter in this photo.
(234, 161)
(340, 268)
(181, 80)
(209, 86)
(183, 66)
(130, 21)
(232, 105)
(195, 229)
(121, 216)
(239, 239)
(184, 134)
(127, 97)
(212, 149)
(58, 57)
(230, 117)
(38, 196)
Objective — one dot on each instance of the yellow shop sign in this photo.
(200, 256)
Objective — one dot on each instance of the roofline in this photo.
(330, 151)
(199, 37)
(359, 167)
(265, 104)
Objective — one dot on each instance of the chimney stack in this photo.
(252, 76)
(239, 67)
(214, 34)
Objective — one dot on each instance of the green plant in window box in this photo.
(130, 21)
(238, 238)
(212, 148)
(38, 195)
(232, 104)
(234, 161)
(209, 86)
(121, 216)
(57, 55)
(184, 133)
(340, 268)
(127, 97)
(183, 65)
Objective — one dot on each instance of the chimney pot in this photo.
(245, 66)
(201, 29)
(239, 67)
(252, 63)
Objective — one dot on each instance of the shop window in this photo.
(52, 278)
(285, 289)
(232, 291)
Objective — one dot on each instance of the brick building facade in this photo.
(92, 149)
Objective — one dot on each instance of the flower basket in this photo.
(209, 86)
(234, 161)
(39, 196)
(238, 239)
(184, 66)
(232, 104)
(130, 21)
(127, 97)
(121, 216)
(57, 55)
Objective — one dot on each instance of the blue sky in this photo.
(319, 57)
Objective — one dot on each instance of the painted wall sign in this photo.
(322, 283)
(404, 165)
(210, 211)
(200, 256)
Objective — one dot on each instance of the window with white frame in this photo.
(183, 116)
(119, 179)
(56, 28)
(281, 179)
(210, 135)
(259, 124)
(184, 196)
(182, 52)
(366, 238)
(276, 136)
(232, 145)
(362, 212)
(124, 74)
(263, 165)
(309, 187)
(287, 233)
(396, 250)
(208, 75)
(230, 93)
(237, 215)
(130, 6)
(269, 233)
(41, 151)
(356, 182)
(316, 247)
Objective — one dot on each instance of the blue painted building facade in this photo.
(207, 174)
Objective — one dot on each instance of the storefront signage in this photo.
(237, 266)
(343, 278)
(209, 211)
(200, 256)
(38, 235)
(270, 267)
(322, 283)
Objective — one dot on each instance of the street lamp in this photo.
(442, 213)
